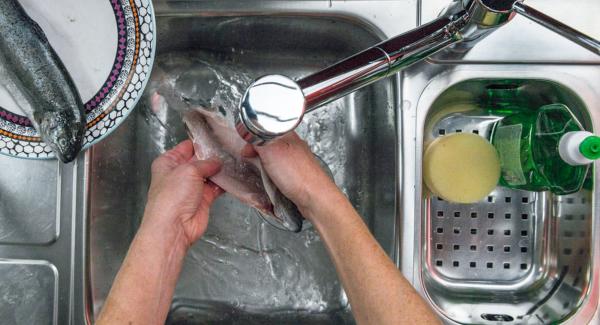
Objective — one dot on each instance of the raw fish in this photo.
(205, 97)
(38, 81)
(244, 178)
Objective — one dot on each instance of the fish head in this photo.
(63, 131)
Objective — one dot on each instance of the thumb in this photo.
(206, 168)
(173, 158)
(248, 151)
(211, 192)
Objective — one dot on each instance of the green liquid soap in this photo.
(544, 150)
(505, 98)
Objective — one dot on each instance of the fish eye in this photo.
(62, 142)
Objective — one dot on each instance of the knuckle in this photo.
(191, 170)
(174, 155)
(188, 169)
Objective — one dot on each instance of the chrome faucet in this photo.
(274, 105)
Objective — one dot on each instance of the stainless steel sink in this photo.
(541, 266)
(516, 256)
(63, 241)
(244, 270)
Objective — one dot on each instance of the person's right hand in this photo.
(293, 168)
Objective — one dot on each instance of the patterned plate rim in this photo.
(118, 96)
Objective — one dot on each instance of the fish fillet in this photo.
(205, 96)
(241, 177)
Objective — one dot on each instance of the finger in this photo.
(248, 151)
(214, 186)
(281, 145)
(182, 152)
(207, 168)
(211, 192)
(169, 160)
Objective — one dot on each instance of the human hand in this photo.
(293, 168)
(180, 194)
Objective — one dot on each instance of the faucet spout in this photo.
(274, 105)
(378, 62)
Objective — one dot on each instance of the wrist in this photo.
(165, 231)
(320, 201)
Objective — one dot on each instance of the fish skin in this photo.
(212, 130)
(33, 67)
(212, 140)
(242, 177)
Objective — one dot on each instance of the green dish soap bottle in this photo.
(544, 150)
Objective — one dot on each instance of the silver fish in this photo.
(39, 82)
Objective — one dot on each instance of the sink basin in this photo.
(518, 248)
(516, 256)
(244, 270)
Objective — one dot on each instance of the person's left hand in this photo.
(180, 194)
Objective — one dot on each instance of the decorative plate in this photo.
(108, 48)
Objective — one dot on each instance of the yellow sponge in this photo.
(461, 167)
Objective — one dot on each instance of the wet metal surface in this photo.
(510, 256)
(28, 293)
(244, 270)
(28, 207)
(74, 222)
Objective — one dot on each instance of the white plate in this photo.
(108, 48)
